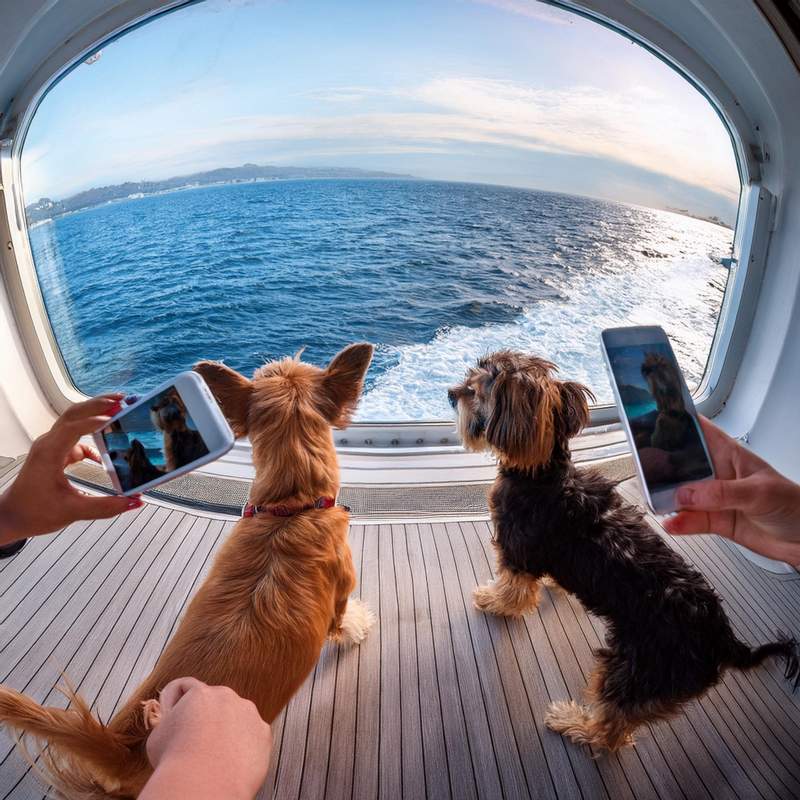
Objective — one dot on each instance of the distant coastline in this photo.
(713, 219)
(45, 209)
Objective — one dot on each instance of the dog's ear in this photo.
(574, 415)
(231, 390)
(520, 420)
(342, 382)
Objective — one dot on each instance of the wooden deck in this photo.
(440, 701)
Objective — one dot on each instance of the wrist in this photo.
(10, 529)
(181, 776)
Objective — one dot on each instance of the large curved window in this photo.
(240, 180)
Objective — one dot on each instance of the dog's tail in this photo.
(83, 759)
(786, 647)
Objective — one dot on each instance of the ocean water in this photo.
(435, 274)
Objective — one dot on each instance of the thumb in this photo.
(98, 507)
(715, 495)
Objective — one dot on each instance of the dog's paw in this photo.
(357, 620)
(551, 584)
(485, 598)
(565, 716)
(151, 713)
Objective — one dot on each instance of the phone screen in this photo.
(152, 439)
(660, 412)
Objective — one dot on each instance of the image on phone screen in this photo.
(153, 439)
(660, 413)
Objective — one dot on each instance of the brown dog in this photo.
(278, 587)
(668, 639)
(182, 445)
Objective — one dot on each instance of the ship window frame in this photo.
(751, 236)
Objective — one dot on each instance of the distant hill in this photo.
(48, 209)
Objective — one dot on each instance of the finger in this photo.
(81, 451)
(97, 507)
(687, 523)
(716, 495)
(66, 434)
(176, 689)
(90, 453)
(93, 407)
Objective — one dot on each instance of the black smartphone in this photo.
(657, 412)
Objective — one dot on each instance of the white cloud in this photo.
(532, 9)
(637, 126)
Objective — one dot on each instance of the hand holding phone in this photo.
(657, 413)
(170, 431)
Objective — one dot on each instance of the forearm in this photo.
(179, 778)
(8, 525)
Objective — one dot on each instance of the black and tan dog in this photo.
(668, 639)
(142, 470)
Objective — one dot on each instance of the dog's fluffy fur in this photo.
(277, 589)
(668, 639)
(182, 445)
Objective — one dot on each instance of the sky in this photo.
(510, 92)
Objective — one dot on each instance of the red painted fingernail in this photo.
(135, 502)
(685, 496)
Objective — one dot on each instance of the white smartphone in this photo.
(174, 429)
(657, 412)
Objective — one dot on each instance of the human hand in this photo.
(208, 743)
(749, 502)
(41, 499)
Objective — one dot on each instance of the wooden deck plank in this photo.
(411, 738)
(459, 746)
(320, 719)
(19, 600)
(391, 702)
(341, 754)
(367, 738)
(293, 743)
(486, 759)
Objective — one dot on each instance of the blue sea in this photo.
(433, 273)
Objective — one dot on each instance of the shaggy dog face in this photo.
(512, 404)
(664, 381)
(169, 413)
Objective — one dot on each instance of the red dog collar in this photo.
(287, 511)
